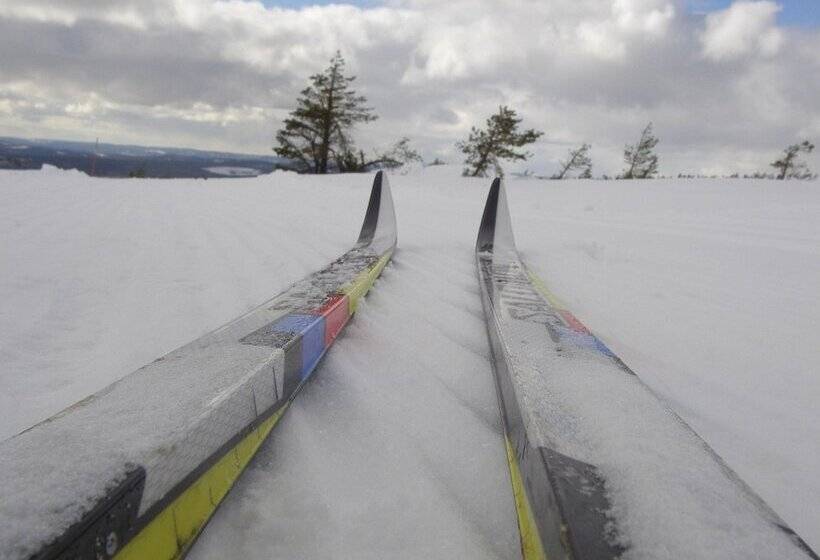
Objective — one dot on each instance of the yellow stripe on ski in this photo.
(360, 285)
(171, 533)
(539, 284)
(531, 547)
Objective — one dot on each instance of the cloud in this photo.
(629, 20)
(223, 74)
(743, 28)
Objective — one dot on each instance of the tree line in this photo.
(317, 135)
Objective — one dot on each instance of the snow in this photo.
(707, 289)
(395, 450)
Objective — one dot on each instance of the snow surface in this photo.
(707, 289)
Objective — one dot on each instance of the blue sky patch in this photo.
(795, 12)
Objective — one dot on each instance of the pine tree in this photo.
(576, 159)
(486, 147)
(318, 130)
(641, 160)
(789, 166)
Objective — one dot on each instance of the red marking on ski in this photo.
(336, 313)
(573, 322)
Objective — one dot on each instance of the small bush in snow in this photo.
(790, 167)
(400, 154)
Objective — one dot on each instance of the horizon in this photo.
(426, 163)
(103, 142)
(728, 85)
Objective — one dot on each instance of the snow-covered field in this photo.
(707, 289)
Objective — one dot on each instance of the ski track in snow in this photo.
(707, 289)
(391, 451)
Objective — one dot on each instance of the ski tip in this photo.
(495, 232)
(486, 231)
(379, 226)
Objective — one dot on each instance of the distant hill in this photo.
(112, 160)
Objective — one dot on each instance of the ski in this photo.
(136, 470)
(582, 430)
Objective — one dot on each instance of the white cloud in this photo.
(223, 73)
(743, 28)
(643, 16)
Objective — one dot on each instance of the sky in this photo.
(727, 84)
(805, 13)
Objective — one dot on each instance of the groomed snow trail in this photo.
(396, 449)
(101, 277)
(707, 289)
